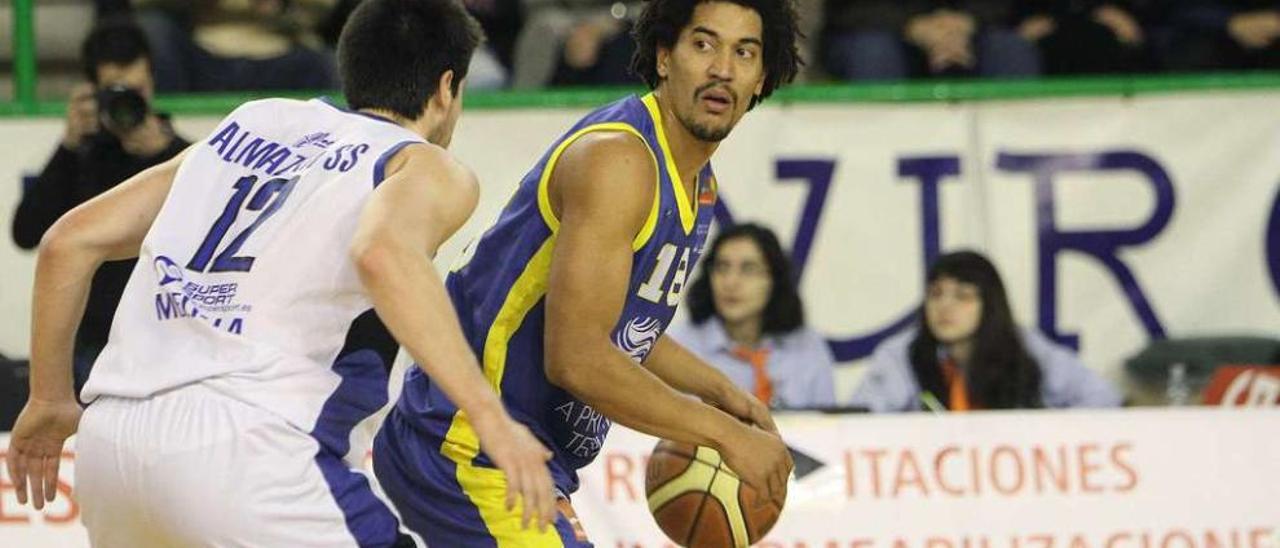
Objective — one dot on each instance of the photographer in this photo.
(111, 134)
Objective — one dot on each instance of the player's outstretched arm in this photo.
(680, 368)
(602, 190)
(423, 201)
(108, 227)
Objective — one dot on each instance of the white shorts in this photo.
(192, 467)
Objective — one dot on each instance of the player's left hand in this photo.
(749, 409)
(35, 447)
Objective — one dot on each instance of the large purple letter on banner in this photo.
(818, 173)
(1273, 244)
(1103, 245)
(929, 171)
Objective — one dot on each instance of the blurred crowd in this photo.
(964, 352)
(221, 45)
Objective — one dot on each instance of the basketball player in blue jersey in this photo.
(246, 350)
(567, 296)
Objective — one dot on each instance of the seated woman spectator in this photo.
(748, 322)
(967, 353)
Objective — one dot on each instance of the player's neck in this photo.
(690, 152)
(421, 126)
(387, 115)
(744, 332)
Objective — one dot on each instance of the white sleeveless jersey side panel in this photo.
(243, 282)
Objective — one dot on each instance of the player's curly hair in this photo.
(661, 21)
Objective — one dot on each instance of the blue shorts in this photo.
(450, 501)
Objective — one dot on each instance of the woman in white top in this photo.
(748, 322)
(967, 353)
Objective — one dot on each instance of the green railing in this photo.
(26, 103)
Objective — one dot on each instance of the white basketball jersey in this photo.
(244, 284)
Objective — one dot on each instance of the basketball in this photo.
(700, 503)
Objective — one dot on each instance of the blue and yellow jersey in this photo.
(499, 287)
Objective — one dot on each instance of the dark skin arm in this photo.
(602, 191)
(426, 197)
(688, 373)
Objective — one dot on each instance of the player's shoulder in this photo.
(423, 160)
(620, 155)
(607, 146)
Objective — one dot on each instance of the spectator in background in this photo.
(574, 42)
(1085, 36)
(967, 353)
(111, 134)
(1224, 35)
(748, 322)
(490, 66)
(899, 39)
(238, 45)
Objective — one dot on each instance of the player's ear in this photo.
(444, 95)
(664, 62)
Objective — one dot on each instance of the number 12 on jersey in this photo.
(268, 199)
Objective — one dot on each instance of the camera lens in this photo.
(121, 109)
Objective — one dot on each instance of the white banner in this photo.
(1195, 478)
(1116, 479)
(1113, 220)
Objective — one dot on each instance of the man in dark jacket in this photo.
(111, 134)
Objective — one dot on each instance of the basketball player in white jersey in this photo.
(246, 349)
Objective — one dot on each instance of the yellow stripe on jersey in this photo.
(487, 487)
(544, 195)
(688, 213)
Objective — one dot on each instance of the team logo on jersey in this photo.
(167, 270)
(706, 194)
(638, 337)
(320, 139)
(177, 298)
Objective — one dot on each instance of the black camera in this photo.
(121, 108)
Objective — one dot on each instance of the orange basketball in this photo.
(700, 503)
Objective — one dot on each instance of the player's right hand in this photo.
(761, 460)
(35, 447)
(523, 459)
